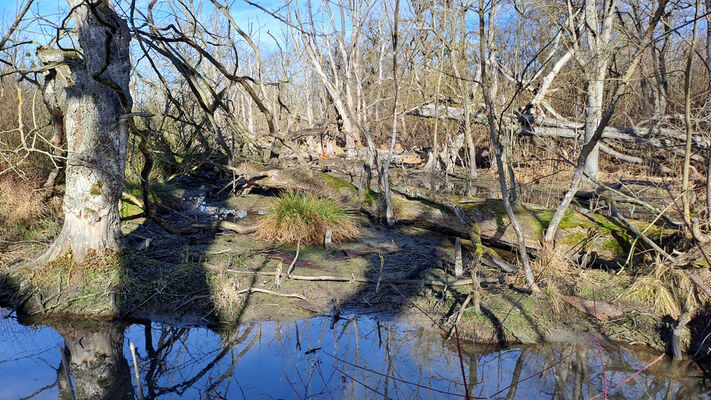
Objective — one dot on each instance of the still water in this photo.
(318, 358)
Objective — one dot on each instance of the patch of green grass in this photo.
(129, 209)
(302, 216)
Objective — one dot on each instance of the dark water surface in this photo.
(353, 358)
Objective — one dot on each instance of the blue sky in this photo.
(248, 17)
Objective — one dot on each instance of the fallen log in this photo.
(604, 239)
(527, 124)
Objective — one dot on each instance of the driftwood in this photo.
(363, 250)
(206, 226)
(526, 124)
(293, 261)
(260, 290)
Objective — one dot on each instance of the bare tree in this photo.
(580, 169)
(97, 103)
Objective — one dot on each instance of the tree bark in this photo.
(97, 364)
(685, 190)
(96, 132)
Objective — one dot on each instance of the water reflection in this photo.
(316, 359)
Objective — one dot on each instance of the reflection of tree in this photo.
(351, 359)
(94, 358)
(173, 344)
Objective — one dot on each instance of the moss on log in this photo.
(600, 237)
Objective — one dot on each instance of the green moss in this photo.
(370, 197)
(96, 188)
(338, 183)
(576, 238)
(129, 209)
(614, 246)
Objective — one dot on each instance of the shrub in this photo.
(306, 217)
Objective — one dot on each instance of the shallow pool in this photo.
(318, 358)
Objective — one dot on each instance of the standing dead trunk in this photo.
(96, 132)
(385, 173)
(685, 190)
(708, 104)
(708, 51)
(496, 144)
(593, 115)
(578, 175)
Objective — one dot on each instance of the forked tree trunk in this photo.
(96, 133)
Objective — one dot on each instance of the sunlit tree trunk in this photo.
(96, 133)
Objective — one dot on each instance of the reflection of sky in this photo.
(28, 358)
(265, 362)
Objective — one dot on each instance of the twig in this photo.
(459, 315)
(135, 370)
(260, 290)
(334, 278)
(293, 262)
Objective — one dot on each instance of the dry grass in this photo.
(551, 270)
(22, 208)
(299, 216)
(666, 289)
(225, 299)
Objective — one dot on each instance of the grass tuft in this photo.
(300, 216)
(666, 289)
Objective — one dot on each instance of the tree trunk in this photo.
(593, 115)
(708, 51)
(685, 190)
(96, 133)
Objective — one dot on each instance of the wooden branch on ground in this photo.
(634, 160)
(333, 278)
(260, 290)
(207, 226)
(562, 128)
